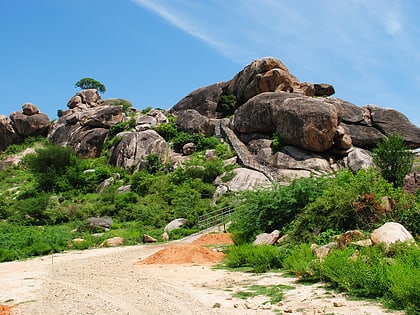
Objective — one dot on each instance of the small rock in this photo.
(288, 310)
(113, 242)
(165, 236)
(251, 306)
(217, 305)
(338, 304)
(78, 240)
(189, 148)
(389, 233)
(148, 239)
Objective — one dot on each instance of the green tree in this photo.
(227, 105)
(89, 83)
(49, 164)
(393, 158)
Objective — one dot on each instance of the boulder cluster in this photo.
(315, 132)
(28, 122)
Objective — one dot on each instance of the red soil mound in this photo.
(184, 254)
(5, 310)
(193, 253)
(214, 239)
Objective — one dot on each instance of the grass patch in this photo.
(275, 293)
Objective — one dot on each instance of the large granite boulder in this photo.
(134, 147)
(174, 224)
(259, 113)
(192, 121)
(359, 159)
(390, 233)
(30, 122)
(204, 100)
(85, 126)
(391, 121)
(308, 123)
(243, 179)
(8, 134)
(85, 99)
(262, 75)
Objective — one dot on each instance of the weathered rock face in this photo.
(33, 125)
(134, 147)
(389, 121)
(8, 135)
(193, 122)
(307, 123)
(244, 179)
(30, 122)
(204, 100)
(29, 109)
(259, 113)
(85, 99)
(70, 130)
(263, 75)
(85, 126)
(412, 182)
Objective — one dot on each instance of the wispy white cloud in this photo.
(352, 42)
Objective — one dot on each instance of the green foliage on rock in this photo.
(393, 158)
(227, 105)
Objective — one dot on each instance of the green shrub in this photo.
(154, 164)
(268, 209)
(349, 201)
(360, 272)
(121, 102)
(276, 143)
(301, 261)
(226, 105)
(49, 164)
(393, 158)
(404, 279)
(260, 258)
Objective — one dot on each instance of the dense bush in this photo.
(269, 209)
(178, 138)
(260, 258)
(349, 201)
(394, 159)
(226, 105)
(48, 165)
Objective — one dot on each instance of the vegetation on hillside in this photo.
(45, 201)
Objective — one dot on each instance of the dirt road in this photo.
(111, 281)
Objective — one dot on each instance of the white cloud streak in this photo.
(344, 41)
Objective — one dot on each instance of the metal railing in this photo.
(214, 218)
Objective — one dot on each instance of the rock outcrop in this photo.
(134, 147)
(8, 134)
(303, 115)
(30, 122)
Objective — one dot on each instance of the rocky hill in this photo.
(315, 132)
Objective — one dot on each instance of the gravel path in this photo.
(109, 281)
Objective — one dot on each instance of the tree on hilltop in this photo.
(89, 83)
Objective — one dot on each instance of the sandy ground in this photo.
(112, 281)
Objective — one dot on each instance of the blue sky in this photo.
(155, 52)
